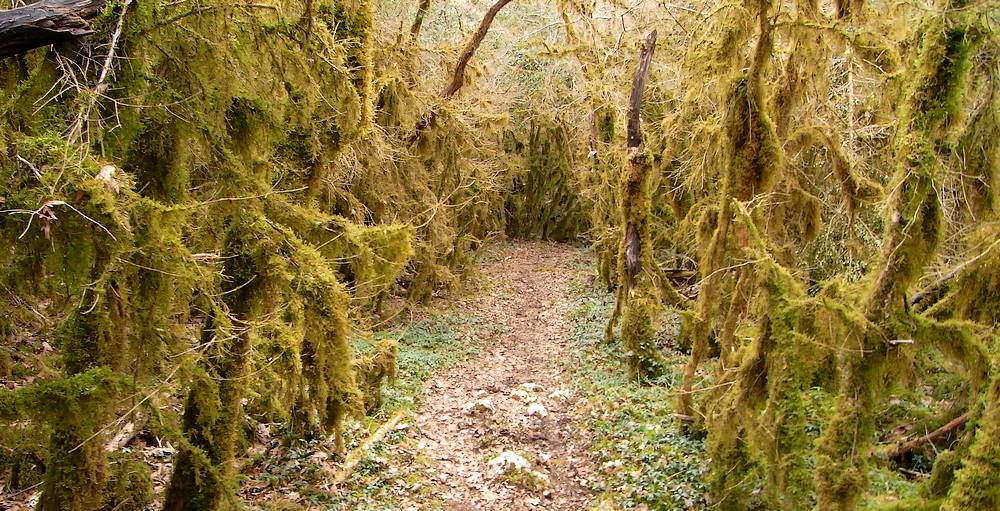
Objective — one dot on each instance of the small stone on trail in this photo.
(526, 391)
(523, 395)
(509, 461)
(517, 470)
(537, 409)
(479, 407)
(561, 394)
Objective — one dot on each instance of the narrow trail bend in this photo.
(514, 397)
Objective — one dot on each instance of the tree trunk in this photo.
(633, 243)
(636, 298)
(44, 23)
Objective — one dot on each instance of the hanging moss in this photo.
(543, 200)
(602, 192)
(93, 385)
(375, 370)
(752, 165)
(202, 477)
(974, 295)
(977, 155)
(370, 259)
(943, 474)
(856, 188)
(638, 338)
(75, 470)
(913, 235)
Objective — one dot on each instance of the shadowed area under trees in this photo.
(223, 220)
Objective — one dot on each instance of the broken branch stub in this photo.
(44, 23)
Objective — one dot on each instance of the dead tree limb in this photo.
(633, 243)
(418, 21)
(358, 455)
(926, 298)
(922, 440)
(44, 23)
(458, 76)
(638, 86)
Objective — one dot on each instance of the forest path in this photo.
(479, 421)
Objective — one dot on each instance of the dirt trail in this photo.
(513, 397)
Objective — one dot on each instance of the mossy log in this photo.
(44, 23)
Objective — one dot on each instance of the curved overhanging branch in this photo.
(458, 76)
(418, 21)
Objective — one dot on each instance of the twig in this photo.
(358, 455)
(34, 169)
(78, 126)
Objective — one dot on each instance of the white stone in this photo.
(561, 394)
(537, 409)
(478, 407)
(531, 387)
(508, 461)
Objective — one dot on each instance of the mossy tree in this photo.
(637, 302)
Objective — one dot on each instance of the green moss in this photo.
(944, 67)
(202, 474)
(543, 199)
(375, 370)
(756, 154)
(974, 295)
(161, 160)
(943, 473)
(26, 451)
(73, 408)
(129, 486)
(914, 232)
(638, 338)
(75, 472)
(638, 275)
(60, 398)
(977, 482)
(606, 120)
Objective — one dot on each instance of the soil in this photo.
(515, 397)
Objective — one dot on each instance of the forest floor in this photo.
(484, 414)
(507, 398)
(502, 429)
(510, 398)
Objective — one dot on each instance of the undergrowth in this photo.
(394, 468)
(428, 346)
(645, 458)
